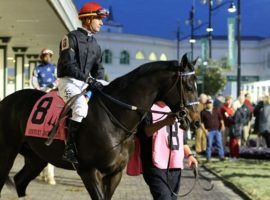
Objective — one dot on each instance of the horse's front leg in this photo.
(93, 183)
(110, 182)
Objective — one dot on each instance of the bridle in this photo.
(179, 80)
(182, 112)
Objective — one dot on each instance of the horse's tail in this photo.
(10, 184)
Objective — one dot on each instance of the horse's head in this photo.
(182, 95)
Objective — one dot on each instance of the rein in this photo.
(132, 132)
(195, 172)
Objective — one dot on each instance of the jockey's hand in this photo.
(94, 84)
(192, 162)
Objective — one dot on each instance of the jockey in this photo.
(79, 66)
(44, 75)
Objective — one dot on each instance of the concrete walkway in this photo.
(70, 187)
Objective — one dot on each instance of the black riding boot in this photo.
(70, 148)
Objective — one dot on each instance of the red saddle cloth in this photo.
(44, 115)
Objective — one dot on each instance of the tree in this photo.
(212, 79)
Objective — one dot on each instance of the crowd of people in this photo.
(227, 124)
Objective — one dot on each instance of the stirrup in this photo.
(70, 158)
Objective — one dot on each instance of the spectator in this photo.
(227, 112)
(219, 101)
(155, 151)
(44, 75)
(212, 122)
(200, 142)
(236, 128)
(247, 126)
(240, 101)
(264, 124)
(256, 114)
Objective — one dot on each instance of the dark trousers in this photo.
(266, 136)
(156, 179)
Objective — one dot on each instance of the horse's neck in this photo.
(141, 93)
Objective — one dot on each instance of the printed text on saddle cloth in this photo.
(44, 115)
(161, 148)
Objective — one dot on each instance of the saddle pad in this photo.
(44, 115)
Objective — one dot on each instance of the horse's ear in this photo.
(195, 63)
(184, 61)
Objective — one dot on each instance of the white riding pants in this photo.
(69, 87)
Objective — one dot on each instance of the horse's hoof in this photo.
(51, 181)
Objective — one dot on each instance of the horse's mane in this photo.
(144, 70)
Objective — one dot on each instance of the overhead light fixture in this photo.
(192, 40)
(10, 58)
(209, 29)
(232, 8)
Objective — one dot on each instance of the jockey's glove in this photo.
(94, 84)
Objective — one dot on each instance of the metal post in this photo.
(192, 30)
(210, 26)
(203, 72)
(238, 47)
(178, 42)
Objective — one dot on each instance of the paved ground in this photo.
(70, 187)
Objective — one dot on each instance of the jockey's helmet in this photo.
(93, 9)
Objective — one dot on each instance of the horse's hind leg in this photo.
(33, 165)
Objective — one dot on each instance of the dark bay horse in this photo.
(102, 151)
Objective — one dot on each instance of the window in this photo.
(163, 57)
(152, 56)
(107, 56)
(124, 58)
(139, 55)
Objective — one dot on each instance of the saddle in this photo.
(45, 116)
